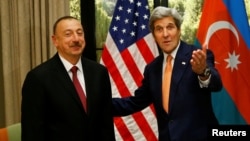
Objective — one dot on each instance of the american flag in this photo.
(128, 48)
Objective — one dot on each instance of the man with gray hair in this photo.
(178, 83)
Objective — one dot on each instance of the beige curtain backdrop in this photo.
(25, 42)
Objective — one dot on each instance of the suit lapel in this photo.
(182, 61)
(90, 83)
(64, 80)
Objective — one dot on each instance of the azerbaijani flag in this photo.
(225, 29)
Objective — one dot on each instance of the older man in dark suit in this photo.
(183, 105)
(52, 109)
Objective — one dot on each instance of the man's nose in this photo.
(75, 37)
(165, 32)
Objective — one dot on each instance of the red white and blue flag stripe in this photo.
(128, 48)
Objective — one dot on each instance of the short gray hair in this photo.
(161, 12)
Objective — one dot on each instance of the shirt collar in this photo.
(173, 53)
(68, 65)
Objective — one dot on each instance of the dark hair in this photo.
(60, 19)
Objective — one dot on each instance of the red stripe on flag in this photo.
(144, 126)
(132, 67)
(114, 73)
(145, 51)
(123, 130)
(123, 90)
(109, 63)
(137, 76)
(147, 55)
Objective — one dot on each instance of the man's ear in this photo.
(54, 40)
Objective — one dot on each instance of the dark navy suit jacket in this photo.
(190, 110)
(51, 108)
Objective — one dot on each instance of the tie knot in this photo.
(74, 69)
(169, 58)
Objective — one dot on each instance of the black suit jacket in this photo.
(52, 111)
(190, 110)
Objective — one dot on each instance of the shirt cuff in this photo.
(204, 83)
